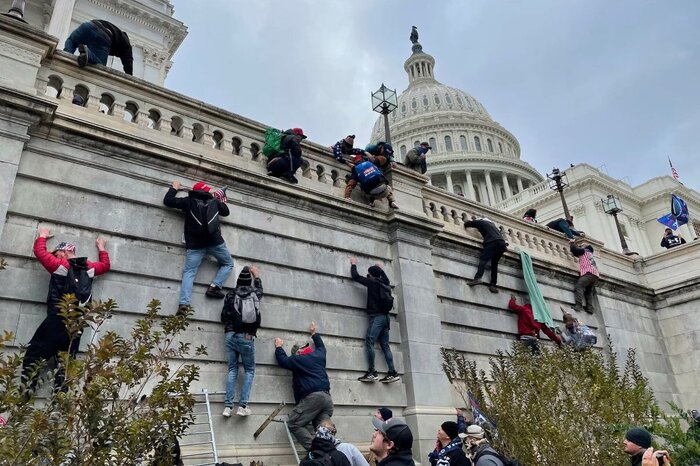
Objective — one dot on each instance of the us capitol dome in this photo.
(472, 155)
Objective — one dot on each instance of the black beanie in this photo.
(450, 428)
(385, 413)
(244, 278)
(639, 436)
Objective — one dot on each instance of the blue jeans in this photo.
(378, 331)
(193, 259)
(96, 41)
(563, 226)
(237, 345)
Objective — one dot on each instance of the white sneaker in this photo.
(243, 411)
(227, 412)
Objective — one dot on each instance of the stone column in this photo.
(489, 189)
(506, 186)
(420, 322)
(470, 185)
(448, 177)
(519, 181)
(59, 26)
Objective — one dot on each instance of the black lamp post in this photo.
(557, 182)
(612, 206)
(16, 11)
(384, 101)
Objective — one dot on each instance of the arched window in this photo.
(254, 150)
(236, 143)
(500, 148)
(153, 119)
(80, 95)
(459, 99)
(106, 104)
(176, 125)
(197, 132)
(218, 136)
(425, 101)
(463, 142)
(416, 143)
(448, 144)
(433, 144)
(448, 99)
(490, 144)
(458, 190)
(131, 111)
(403, 107)
(414, 104)
(54, 86)
(403, 150)
(477, 143)
(436, 99)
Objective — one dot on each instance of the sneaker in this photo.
(227, 412)
(83, 55)
(394, 206)
(391, 377)
(493, 288)
(182, 309)
(369, 377)
(474, 281)
(243, 411)
(215, 292)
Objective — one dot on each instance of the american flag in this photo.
(674, 173)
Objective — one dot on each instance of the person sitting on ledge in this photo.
(565, 226)
(286, 164)
(381, 154)
(494, 247)
(529, 328)
(96, 40)
(372, 182)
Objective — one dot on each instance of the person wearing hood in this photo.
(379, 303)
(310, 383)
(494, 247)
(450, 452)
(482, 452)
(286, 164)
(241, 318)
(392, 442)
(588, 271)
(530, 216)
(202, 237)
(352, 453)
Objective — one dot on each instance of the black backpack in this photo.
(206, 215)
(317, 458)
(386, 300)
(504, 460)
(78, 282)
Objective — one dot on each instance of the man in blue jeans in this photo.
(202, 237)
(565, 226)
(378, 329)
(241, 317)
(96, 40)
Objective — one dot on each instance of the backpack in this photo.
(78, 282)
(386, 300)
(317, 458)
(504, 460)
(273, 142)
(206, 214)
(368, 174)
(241, 309)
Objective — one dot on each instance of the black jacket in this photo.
(401, 458)
(373, 285)
(308, 370)
(242, 327)
(671, 241)
(636, 460)
(487, 229)
(328, 447)
(291, 145)
(120, 46)
(194, 238)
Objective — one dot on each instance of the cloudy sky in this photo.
(615, 84)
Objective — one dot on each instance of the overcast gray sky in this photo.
(615, 84)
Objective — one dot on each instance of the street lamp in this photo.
(384, 102)
(612, 206)
(557, 182)
(16, 11)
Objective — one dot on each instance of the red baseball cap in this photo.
(299, 132)
(201, 186)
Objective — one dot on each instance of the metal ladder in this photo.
(202, 428)
(272, 418)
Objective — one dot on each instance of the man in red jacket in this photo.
(529, 328)
(69, 274)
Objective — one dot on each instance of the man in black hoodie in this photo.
(324, 445)
(241, 318)
(378, 307)
(289, 160)
(312, 389)
(96, 40)
(494, 247)
(202, 237)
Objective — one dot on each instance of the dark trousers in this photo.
(284, 166)
(96, 41)
(378, 330)
(308, 414)
(492, 253)
(563, 226)
(584, 290)
(49, 339)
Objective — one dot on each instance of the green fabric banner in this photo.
(539, 307)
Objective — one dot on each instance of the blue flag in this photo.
(669, 220)
(679, 209)
(480, 418)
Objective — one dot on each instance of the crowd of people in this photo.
(458, 444)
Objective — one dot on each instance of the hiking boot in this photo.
(369, 377)
(182, 309)
(493, 288)
(215, 292)
(394, 206)
(474, 282)
(243, 411)
(227, 412)
(83, 55)
(391, 377)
